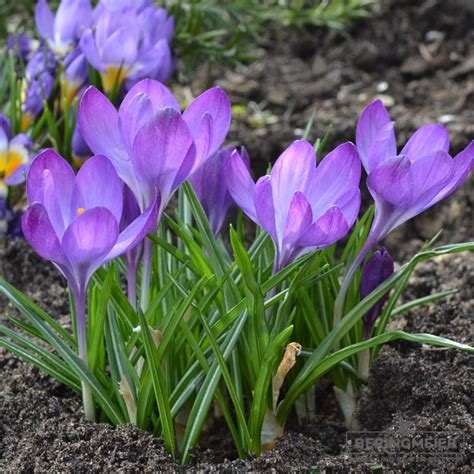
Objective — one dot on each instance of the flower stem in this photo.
(132, 271)
(80, 307)
(146, 273)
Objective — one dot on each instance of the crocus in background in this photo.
(127, 44)
(74, 75)
(63, 30)
(22, 45)
(15, 156)
(151, 144)
(210, 185)
(302, 206)
(74, 221)
(402, 184)
(80, 150)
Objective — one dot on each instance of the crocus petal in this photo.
(55, 191)
(89, 48)
(240, 184)
(131, 209)
(160, 149)
(337, 173)
(40, 234)
(98, 185)
(328, 229)
(425, 141)
(17, 177)
(120, 48)
(215, 103)
(98, 125)
(88, 240)
(393, 181)
(299, 219)
(372, 120)
(203, 140)
(263, 200)
(377, 269)
(71, 17)
(22, 140)
(185, 169)
(349, 204)
(5, 129)
(463, 165)
(159, 96)
(136, 231)
(383, 147)
(44, 19)
(293, 171)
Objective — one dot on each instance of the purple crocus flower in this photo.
(74, 221)
(407, 183)
(378, 268)
(210, 185)
(74, 76)
(80, 150)
(63, 30)
(301, 206)
(151, 144)
(22, 45)
(15, 156)
(403, 184)
(129, 43)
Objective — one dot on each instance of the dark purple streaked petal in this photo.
(185, 169)
(349, 204)
(98, 185)
(88, 240)
(293, 171)
(378, 268)
(263, 200)
(131, 209)
(372, 120)
(384, 147)
(136, 231)
(240, 184)
(98, 125)
(215, 103)
(299, 219)
(426, 141)
(203, 140)
(393, 181)
(327, 230)
(40, 234)
(44, 19)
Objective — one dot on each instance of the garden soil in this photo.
(419, 58)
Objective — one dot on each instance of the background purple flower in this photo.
(210, 185)
(63, 30)
(378, 268)
(301, 206)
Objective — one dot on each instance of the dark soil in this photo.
(411, 389)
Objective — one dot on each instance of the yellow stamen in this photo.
(80, 211)
(113, 78)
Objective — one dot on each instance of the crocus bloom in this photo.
(405, 184)
(302, 206)
(14, 156)
(402, 184)
(151, 144)
(125, 45)
(74, 222)
(22, 45)
(80, 150)
(63, 30)
(74, 75)
(210, 186)
(378, 268)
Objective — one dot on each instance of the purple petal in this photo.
(89, 48)
(71, 18)
(88, 240)
(98, 185)
(51, 182)
(5, 128)
(240, 184)
(299, 219)
(120, 48)
(372, 120)
(159, 150)
(263, 200)
(215, 103)
(131, 209)
(185, 169)
(22, 140)
(327, 230)
(98, 125)
(393, 181)
(337, 174)
(40, 234)
(18, 176)
(349, 204)
(425, 141)
(378, 268)
(136, 231)
(463, 165)
(384, 147)
(293, 171)
(203, 140)
(44, 19)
